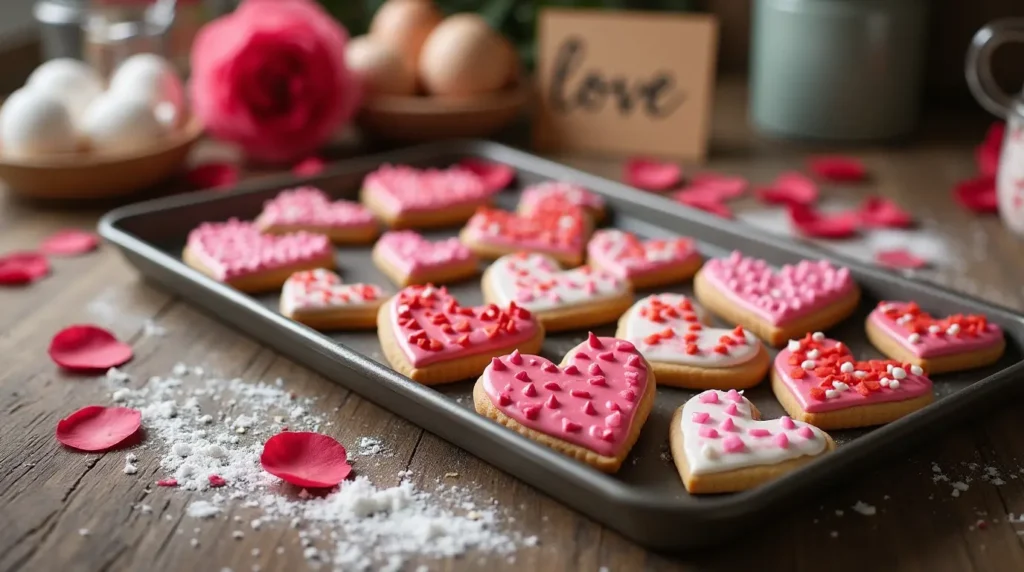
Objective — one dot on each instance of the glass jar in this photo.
(117, 29)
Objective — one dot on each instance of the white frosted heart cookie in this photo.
(684, 351)
(319, 299)
(720, 443)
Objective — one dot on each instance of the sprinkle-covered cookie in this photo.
(319, 299)
(645, 263)
(492, 233)
(408, 258)
(557, 195)
(404, 197)
(311, 210)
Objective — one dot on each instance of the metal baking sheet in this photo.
(646, 500)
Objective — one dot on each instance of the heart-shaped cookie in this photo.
(817, 380)
(561, 299)
(239, 255)
(429, 337)
(557, 195)
(720, 444)
(669, 330)
(319, 299)
(645, 263)
(404, 197)
(492, 233)
(408, 258)
(777, 306)
(310, 209)
(591, 407)
(902, 331)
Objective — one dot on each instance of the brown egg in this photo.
(405, 25)
(379, 67)
(464, 56)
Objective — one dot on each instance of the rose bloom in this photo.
(271, 77)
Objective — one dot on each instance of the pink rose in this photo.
(271, 77)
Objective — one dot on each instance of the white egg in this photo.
(152, 77)
(72, 82)
(121, 122)
(34, 124)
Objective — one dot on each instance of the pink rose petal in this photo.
(879, 212)
(88, 348)
(69, 242)
(899, 258)
(986, 155)
(652, 175)
(308, 167)
(723, 187)
(837, 168)
(977, 195)
(213, 176)
(812, 223)
(98, 428)
(18, 268)
(305, 459)
(790, 188)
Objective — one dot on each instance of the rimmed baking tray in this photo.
(645, 500)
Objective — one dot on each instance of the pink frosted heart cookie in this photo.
(429, 337)
(239, 255)
(561, 299)
(319, 299)
(310, 209)
(720, 444)
(492, 233)
(817, 380)
(590, 407)
(404, 197)
(407, 258)
(557, 195)
(777, 305)
(645, 263)
(670, 331)
(902, 331)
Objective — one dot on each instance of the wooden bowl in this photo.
(90, 175)
(415, 118)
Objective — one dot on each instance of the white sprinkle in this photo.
(860, 374)
(894, 384)
(916, 370)
(933, 329)
(864, 508)
(813, 354)
(831, 394)
(709, 452)
(899, 373)
(914, 338)
(818, 336)
(807, 364)
(888, 368)
(794, 345)
(884, 382)
(953, 329)
(847, 367)
(840, 386)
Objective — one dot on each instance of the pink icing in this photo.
(813, 393)
(598, 418)
(235, 248)
(321, 288)
(309, 206)
(401, 189)
(627, 256)
(430, 326)
(778, 297)
(410, 253)
(547, 231)
(925, 336)
(555, 194)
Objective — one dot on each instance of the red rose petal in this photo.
(978, 194)
(809, 222)
(88, 348)
(308, 167)
(213, 175)
(305, 459)
(22, 267)
(652, 175)
(216, 481)
(98, 428)
(877, 212)
(790, 188)
(724, 187)
(986, 155)
(70, 242)
(837, 168)
(899, 258)
(495, 176)
(703, 199)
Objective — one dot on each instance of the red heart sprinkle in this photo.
(305, 459)
(69, 242)
(98, 428)
(809, 222)
(495, 176)
(837, 168)
(652, 175)
(22, 267)
(213, 175)
(881, 212)
(790, 188)
(986, 155)
(88, 348)
(308, 167)
(899, 258)
(977, 195)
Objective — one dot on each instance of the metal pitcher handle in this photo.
(978, 68)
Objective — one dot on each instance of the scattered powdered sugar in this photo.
(372, 447)
(202, 509)
(864, 508)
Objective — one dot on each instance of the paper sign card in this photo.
(625, 82)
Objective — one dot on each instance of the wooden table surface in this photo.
(48, 494)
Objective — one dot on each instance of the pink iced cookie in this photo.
(405, 197)
(645, 263)
(777, 305)
(556, 195)
(720, 443)
(310, 209)
(319, 299)
(492, 233)
(238, 254)
(408, 258)
(429, 337)
(818, 381)
(591, 407)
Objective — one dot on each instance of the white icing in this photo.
(757, 451)
(567, 287)
(326, 292)
(673, 350)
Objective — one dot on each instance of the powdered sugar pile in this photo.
(209, 432)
